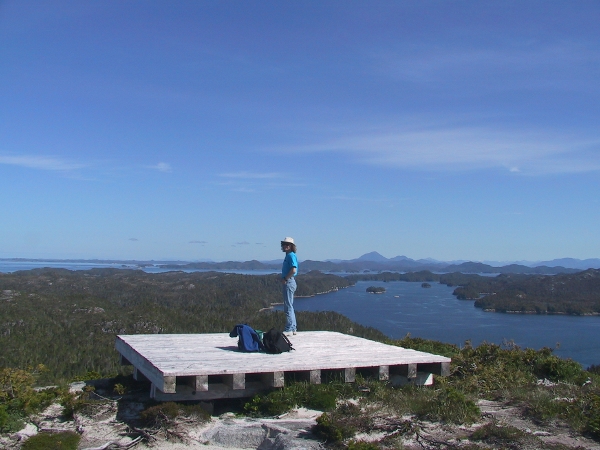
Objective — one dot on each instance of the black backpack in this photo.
(276, 342)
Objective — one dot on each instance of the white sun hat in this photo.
(288, 240)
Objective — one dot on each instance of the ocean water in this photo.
(13, 266)
(434, 313)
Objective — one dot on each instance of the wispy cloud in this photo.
(161, 167)
(350, 198)
(242, 243)
(133, 239)
(252, 175)
(253, 182)
(198, 242)
(467, 148)
(512, 66)
(41, 162)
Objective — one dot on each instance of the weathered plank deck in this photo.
(209, 366)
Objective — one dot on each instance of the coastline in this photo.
(545, 313)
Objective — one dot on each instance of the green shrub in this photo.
(445, 405)
(330, 429)
(165, 413)
(19, 398)
(273, 404)
(66, 440)
(492, 433)
(10, 421)
(426, 345)
(509, 437)
(542, 404)
(592, 416)
(489, 368)
(547, 365)
(78, 402)
(160, 414)
(88, 376)
(322, 397)
(579, 407)
(362, 445)
(354, 417)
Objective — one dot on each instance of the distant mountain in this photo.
(569, 263)
(371, 262)
(226, 265)
(273, 261)
(401, 258)
(572, 263)
(373, 256)
(476, 267)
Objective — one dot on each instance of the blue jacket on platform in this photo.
(248, 339)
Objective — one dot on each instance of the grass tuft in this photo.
(163, 414)
(445, 405)
(66, 440)
(322, 397)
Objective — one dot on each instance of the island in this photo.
(375, 290)
(425, 285)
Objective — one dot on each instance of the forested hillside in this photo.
(68, 320)
(567, 294)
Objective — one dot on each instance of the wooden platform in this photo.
(209, 366)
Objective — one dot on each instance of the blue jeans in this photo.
(288, 290)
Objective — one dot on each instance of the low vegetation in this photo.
(543, 386)
(67, 321)
(66, 440)
(164, 414)
(19, 398)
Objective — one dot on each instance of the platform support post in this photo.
(384, 373)
(273, 379)
(169, 385)
(199, 383)
(406, 370)
(124, 361)
(445, 369)
(235, 381)
(315, 376)
(350, 375)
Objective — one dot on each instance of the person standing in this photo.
(288, 272)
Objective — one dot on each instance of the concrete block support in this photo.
(170, 384)
(384, 373)
(235, 381)
(273, 379)
(350, 375)
(315, 377)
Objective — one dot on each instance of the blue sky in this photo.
(213, 129)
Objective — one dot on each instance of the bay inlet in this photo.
(434, 313)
